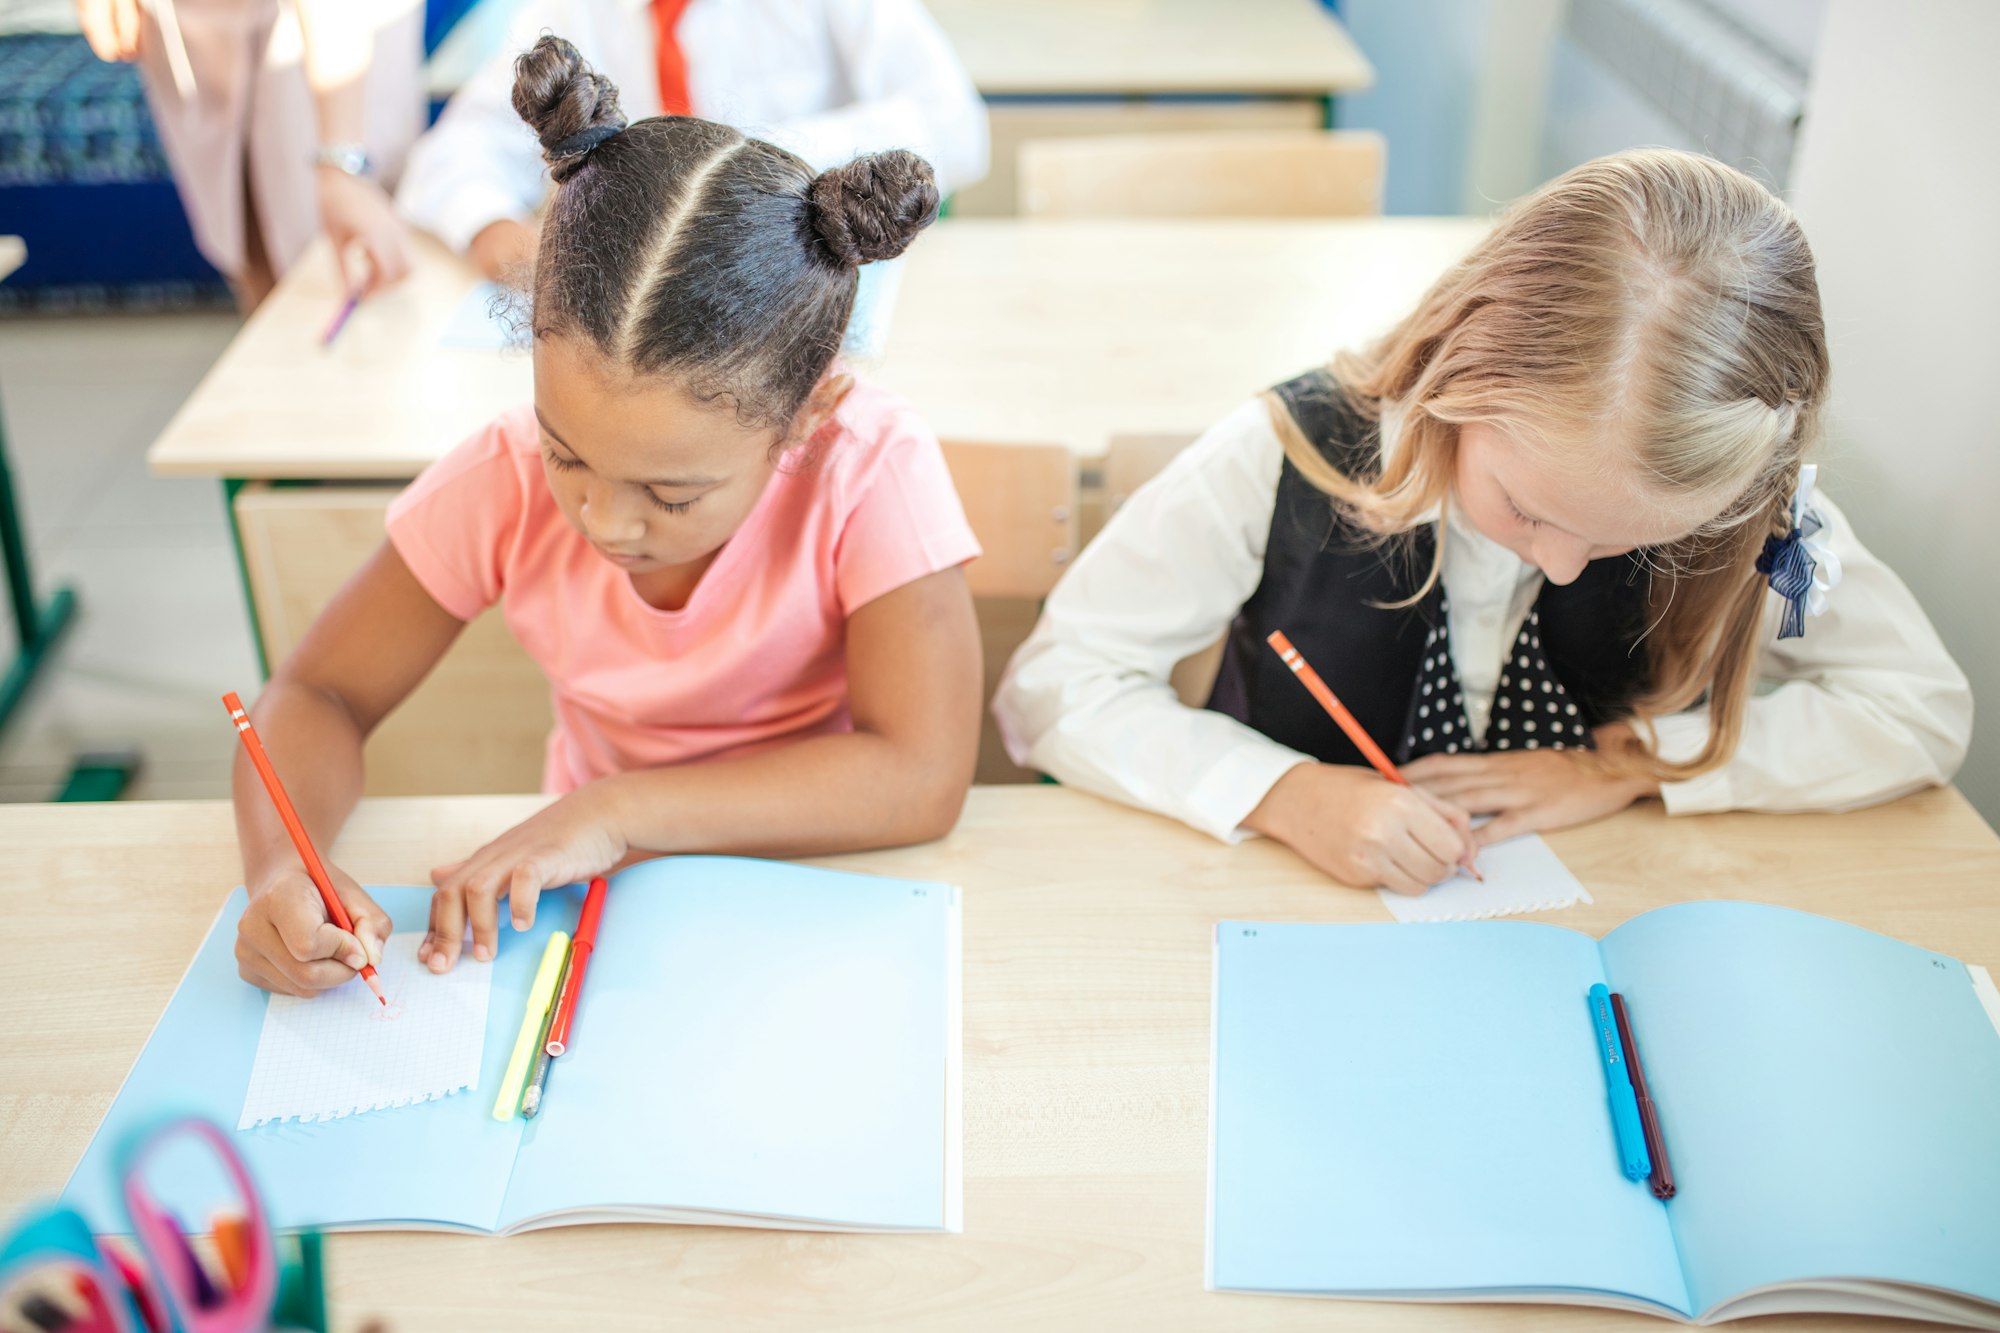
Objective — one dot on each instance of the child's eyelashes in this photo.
(1520, 517)
(562, 464)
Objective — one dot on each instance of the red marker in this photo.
(335, 911)
(1337, 710)
(580, 947)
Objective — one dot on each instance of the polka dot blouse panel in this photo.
(1531, 709)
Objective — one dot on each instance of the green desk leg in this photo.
(230, 486)
(36, 626)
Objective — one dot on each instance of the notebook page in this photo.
(1522, 875)
(1418, 1112)
(760, 1039)
(1828, 1097)
(343, 1051)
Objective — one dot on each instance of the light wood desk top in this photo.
(1087, 936)
(13, 253)
(1004, 331)
(1277, 47)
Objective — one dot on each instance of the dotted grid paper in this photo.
(341, 1052)
(1522, 875)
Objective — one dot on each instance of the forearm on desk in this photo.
(837, 793)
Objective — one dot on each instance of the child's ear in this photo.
(820, 406)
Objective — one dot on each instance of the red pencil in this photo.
(1337, 710)
(334, 910)
(580, 947)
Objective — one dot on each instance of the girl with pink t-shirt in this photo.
(739, 569)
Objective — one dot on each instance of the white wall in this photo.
(1897, 186)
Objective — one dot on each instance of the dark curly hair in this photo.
(680, 246)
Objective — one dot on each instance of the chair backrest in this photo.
(1021, 502)
(1220, 174)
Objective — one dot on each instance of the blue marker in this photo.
(1618, 1079)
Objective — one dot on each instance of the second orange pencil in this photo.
(1337, 710)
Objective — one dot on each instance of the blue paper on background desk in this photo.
(756, 1042)
(1418, 1112)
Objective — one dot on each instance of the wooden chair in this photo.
(1307, 173)
(1021, 500)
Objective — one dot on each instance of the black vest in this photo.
(1328, 584)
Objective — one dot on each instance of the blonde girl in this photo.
(1532, 538)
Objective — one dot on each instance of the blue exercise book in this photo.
(755, 1044)
(1421, 1113)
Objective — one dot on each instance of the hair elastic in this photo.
(584, 140)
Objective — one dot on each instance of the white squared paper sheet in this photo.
(1522, 875)
(341, 1052)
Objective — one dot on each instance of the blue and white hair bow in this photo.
(1801, 570)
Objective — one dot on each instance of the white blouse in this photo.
(827, 79)
(1866, 706)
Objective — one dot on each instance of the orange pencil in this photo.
(334, 910)
(1337, 710)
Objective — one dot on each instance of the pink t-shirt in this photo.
(758, 653)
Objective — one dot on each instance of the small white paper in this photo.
(1522, 875)
(484, 320)
(342, 1052)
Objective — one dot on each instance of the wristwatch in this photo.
(350, 158)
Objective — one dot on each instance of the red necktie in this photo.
(672, 64)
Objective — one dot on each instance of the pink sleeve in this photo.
(905, 522)
(455, 524)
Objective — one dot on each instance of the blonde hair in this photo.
(1660, 300)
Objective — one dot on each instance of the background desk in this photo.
(1087, 936)
(1064, 67)
(1004, 332)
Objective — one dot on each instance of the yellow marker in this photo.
(540, 996)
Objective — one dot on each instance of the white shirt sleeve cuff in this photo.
(470, 208)
(1235, 786)
(1681, 737)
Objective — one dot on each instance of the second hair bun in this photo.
(873, 207)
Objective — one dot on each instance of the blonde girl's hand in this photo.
(573, 839)
(1363, 830)
(1532, 791)
(285, 943)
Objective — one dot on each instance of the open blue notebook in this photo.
(1420, 1113)
(756, 1044)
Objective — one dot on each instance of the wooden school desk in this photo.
(1087, 937)
(1005, 332)
(1064, 67)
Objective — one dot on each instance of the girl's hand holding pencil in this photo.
(285, 943)
(1364, 830)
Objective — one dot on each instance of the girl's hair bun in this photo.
(571, 107)
(873, 207)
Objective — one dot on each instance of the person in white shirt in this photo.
(827, 79)
(1552, 542)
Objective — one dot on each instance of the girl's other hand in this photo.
(285, 943)
(1363, 830)
(1532, 791)
(504, 251)
(572, 840)
(111, 27)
